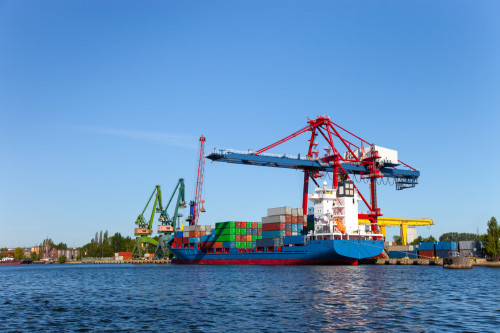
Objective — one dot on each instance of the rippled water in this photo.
(248, 298)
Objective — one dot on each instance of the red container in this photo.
(300, 219)
(178, 240)
(294, 219)
(259, 232)
(273, 226)
(255, 225)
(185, 240)
(237, 225)
(426, 254)
(125, 254)
(127, 257)
(288, 233)
(218, 245)
(288, 218)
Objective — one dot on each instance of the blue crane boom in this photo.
(403, 178)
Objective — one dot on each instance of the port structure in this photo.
(403, 225)
(169, 223)
(144, 229)
(353, 156)
(197, 205)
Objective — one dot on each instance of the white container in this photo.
(300, 211)
(274, 219)
(279, 211)
(295, 212)
(185, 234)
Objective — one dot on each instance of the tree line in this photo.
(103, 245)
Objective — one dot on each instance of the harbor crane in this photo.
(144, 229)
(352, 156)
(168, 224)
(403, 225)
(197, 205)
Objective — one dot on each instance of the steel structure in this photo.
(403, 225)
(168, 224)
(144, 228)
(196, 206)
(353, 161)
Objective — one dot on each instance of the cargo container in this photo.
(403, 254)
(287, 240)
(446, 246)
(273, 234)
(426, 254)
(426, 246)
(279, 211)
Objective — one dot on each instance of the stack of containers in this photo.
(234, 234)
(426, 250)
(466, 248)
(402, 251)
(193, 234)
(123, 256)
(281, 222)
(443, 249)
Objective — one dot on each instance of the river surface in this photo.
(175, 298)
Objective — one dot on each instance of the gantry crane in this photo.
(403, 225)
(362, 159)
(168, 224)
(196, 206)
(144, 229)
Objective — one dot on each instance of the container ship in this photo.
(331, 235)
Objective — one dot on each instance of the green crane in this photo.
(169, 224)
(144, 229)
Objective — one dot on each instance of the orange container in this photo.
(249, 238)
(288, 233)
(218, 245)
(294, 219)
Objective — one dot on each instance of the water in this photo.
(61, 298)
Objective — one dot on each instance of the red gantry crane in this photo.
(351, 156)
(196, 206)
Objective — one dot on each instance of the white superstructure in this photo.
(336, 213)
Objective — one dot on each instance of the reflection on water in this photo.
(247, 298)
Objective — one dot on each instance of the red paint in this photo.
(267, 261)
(274, 226)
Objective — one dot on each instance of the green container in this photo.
(223, 225)
(254, 237)
(259, 225)
(225, 238)
(249, 225)
(228, 231)
(259, 236)
(249, 244)
(240, 244)
(241, 231)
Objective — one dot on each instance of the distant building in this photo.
(69, 253)
(411, 234)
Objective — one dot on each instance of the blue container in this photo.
(300, 228)
(310, 218)
(294, 227)
(194, 239)
(229, 245)
(254, 244)
(207, 238)
(443, 253)
(446, 246)
(403, 254)
(269, 242)
(274, 234)
(288, 240)
(426, 246)
(179, 234)
(254, 232)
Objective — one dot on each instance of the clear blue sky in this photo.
(102, 100)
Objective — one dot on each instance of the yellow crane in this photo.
(398, 222)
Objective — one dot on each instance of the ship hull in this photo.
(318, 252)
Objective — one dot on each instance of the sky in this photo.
(102, 100)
